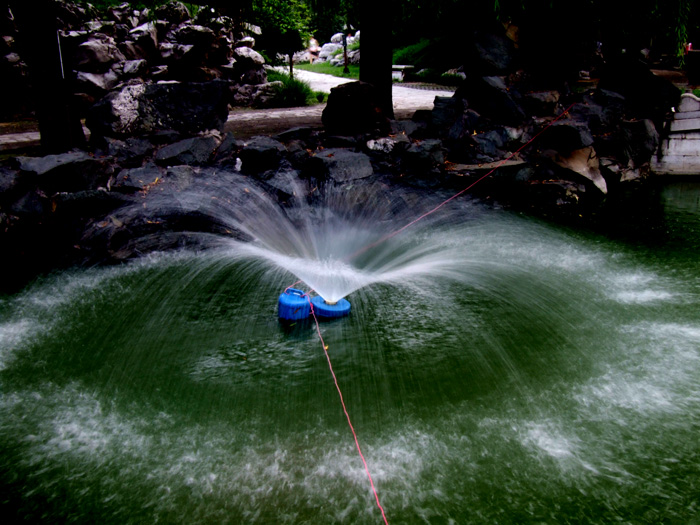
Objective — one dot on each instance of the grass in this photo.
(326, 68)
(293, 92)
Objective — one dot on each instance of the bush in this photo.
(292, 92)
(414, 54)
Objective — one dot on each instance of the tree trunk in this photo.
(291, 65)
(376, 50)
(38, 39)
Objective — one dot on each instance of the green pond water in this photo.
(551, 376)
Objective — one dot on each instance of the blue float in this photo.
(294, 305)
(328, 310)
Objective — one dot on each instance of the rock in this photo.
(136, 179)
(187, 108)
(195, 35)
(145, 38)
(425, 156)
(389, 144)
(96, 83)
(261, 154)
(446, 112)
(492, 54)
(97, 54)
(192, 151)
(248, 58)
(174, 53)
(352, 108)
(9, 182)
(646, 94)
(120, 13)
(584, 162)
(491, 143)
(130, 152)
(641, 140)
(135, 68)
(492, 99)
(540, 103)
(73, 171)
(173, 12)
(340, 165)
(327, 51)
(566, 137)
(246, 41)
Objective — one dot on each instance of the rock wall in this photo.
(122, 46)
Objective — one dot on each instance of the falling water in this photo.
(497, 369)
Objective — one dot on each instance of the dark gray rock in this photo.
(188, 108)
(425, 156)
(173, 12)
(261, 154)
(98, 54)
(540, 103)
(492, 54)
(145, 40)
(352, 109)
(641, 140)
(73, 171)
(128, 153)
(192, 151)
(135, 68)
(136, 179)
(565, 137)
(492, 99)
(341, 165)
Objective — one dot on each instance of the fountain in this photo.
(497, 369)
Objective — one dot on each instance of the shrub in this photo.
(413, 54)
(292, 92)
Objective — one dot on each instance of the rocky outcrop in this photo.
(137, 109)
(123, 47)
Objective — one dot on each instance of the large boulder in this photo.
(340, 165)
(188, 108)
(493, 99)
(173, 12)
(98, 54)
(66, 172)
(191, 151)
(353, 108)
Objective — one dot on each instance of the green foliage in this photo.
(284, 24)
(435, 76)
(327, 69)
(292, 92)
(414, 54)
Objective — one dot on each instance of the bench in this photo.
(399, 72)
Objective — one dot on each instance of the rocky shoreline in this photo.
(578, 152)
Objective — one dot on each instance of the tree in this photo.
(375, 24)
(284, 24)
(39, 43)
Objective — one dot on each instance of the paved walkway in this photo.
(248, 122)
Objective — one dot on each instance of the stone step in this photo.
(689, 147)
(690, 124)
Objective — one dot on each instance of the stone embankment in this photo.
(576, 151)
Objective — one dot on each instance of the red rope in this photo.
(345, 410)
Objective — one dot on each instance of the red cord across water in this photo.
(345, 410)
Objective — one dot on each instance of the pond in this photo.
(496, 368)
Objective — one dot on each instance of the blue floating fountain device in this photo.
(295, 305)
